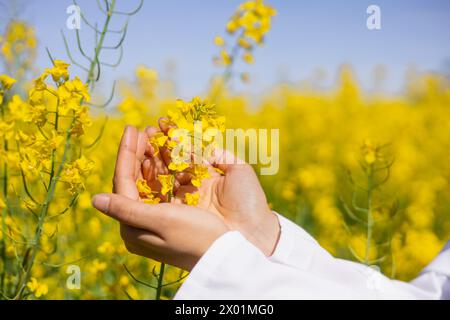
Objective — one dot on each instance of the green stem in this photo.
(163, 265)
(4, 211)
(98, 48)
(55, 177)
(160, 281)
(369, 217)
(53, 180)
(226, 76)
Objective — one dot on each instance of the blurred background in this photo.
(363, 116)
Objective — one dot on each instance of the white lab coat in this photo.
(300, 268)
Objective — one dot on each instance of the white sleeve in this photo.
(298, 249)
(233, 268)
(435, 278)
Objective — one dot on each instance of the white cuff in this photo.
(295, 248)
(206, 269)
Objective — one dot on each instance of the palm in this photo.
(235, 196)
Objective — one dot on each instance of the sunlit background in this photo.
(363, 116)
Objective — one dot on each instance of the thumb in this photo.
(227, 161)
(131, 212)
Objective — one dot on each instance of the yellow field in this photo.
(335, 148)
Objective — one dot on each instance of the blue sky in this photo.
(307, 36)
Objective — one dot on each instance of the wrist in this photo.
(264, 232)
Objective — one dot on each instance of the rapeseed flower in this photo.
(166, 183)
(38, 289)
(191, 199)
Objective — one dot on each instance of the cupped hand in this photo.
(173, 233)
(236, 196)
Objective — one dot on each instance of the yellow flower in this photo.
(38, 114)
(146, 193)
(244, 43)
(178, 166)
(200, 173)
(166, 183)
(2, 204)
(158, 140)
(183, 106)
(37, 288)
(94, 226)
(179, 120)
(77, 86)
(232, 26)
(371, 152)
(143, 188)
(192, 198)
(124, 281)
(82, 120)
(253, 20)
(248, 20)
(143, 72)
(39, 83)
(19, 109)
(57, 141)
(6, 81)
(133, 293)
(219, 171)
(152, 200)
(226, 58)
(6, 129)
(10, 250)
(59, 71)
(24, 138)
(218, 41)
(248, 57)
(106, 248)
(84, 165)
(98, 266)
(74, 173)
(370, 157)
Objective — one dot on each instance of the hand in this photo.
(240, 199)
(237, 196)
(174, 233)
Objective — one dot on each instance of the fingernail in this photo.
(129, 136)
(101, 202)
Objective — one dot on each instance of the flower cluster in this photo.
(37, 128)
(40, 159)
(6, 83)
(18, 47)
(193, 127)
(38, 289)
(371, 153)
(75, 173)
(250, 23)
